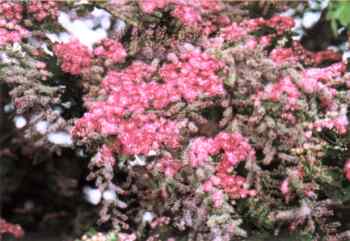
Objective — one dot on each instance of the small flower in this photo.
(74, 57)
(347, 169)
(43, 9)
(111, 50)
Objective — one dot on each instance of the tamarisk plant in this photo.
(207, 128)
(224, 129)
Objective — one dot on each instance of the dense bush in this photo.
(200, 121)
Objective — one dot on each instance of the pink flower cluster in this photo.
(112, 50)
(105, 156)
(149, 6)
(188, 12)
(139, 134)
(285, 190)
(315, 78)
(11, 32)
(233, 186)
(235, 32)
(235, 149)
(11, 10)
(298, 53)
(340, 124)
(321, 80)
(284, 87)
(168, 166)
(347, 169)
(282, 55)
(126, 237)
(193, 75)
(187, 15)
(129, 95)
(10, 14)
(314, 58)
(9, 228)
(131, 92)
(43, 9)
(279, 23)
(286, 186)
(124, 113)
(200, 150)
(74, 57)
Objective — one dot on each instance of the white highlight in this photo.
(92, 195)
(109, 195)
(139, 161)
(20, 122)
(88, 30)
(147, 217)
(60, 138)
(310, 19)
(9, 107)
(41, 127)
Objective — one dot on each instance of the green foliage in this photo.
(256, 212)
(112, 237)
(339, 14)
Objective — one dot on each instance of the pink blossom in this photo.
(43, 9)
(11, 32)
(235, 148)
(112, 50)
(347, 169)
(74, 57)
(289, 117)
(325, 74)
(280, 23)
(9, 228)
(210, 5)
(188, 15)
(11, 10)
(129, 95)
(285, 186)
(169, 166)
(319, 80)
(149, 6)
(207, 186)
(236, 32)
(233, 32)
(284, 86)
(199, 151)
(163, 220)
(340, 124)
(234, 145)
(188, 12)
(265, 41)
(126, 237)
(251, 43)
(105, 156)
(234, 186)
(281, 55)
(218, 198)
(194, 76)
